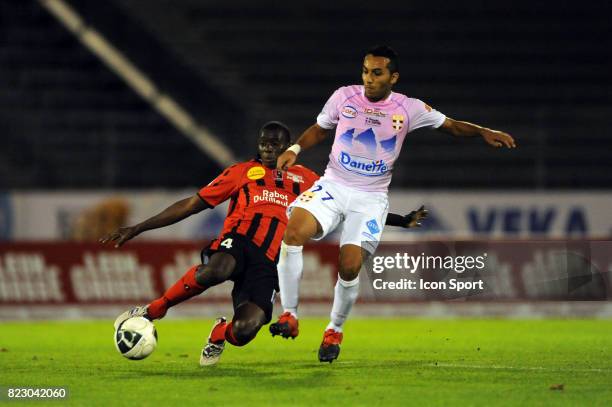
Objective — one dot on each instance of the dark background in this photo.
(540, 70)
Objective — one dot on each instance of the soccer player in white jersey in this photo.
(371, 124)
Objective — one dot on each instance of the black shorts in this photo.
(255, 276)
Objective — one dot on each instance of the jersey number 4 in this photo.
(227, 243)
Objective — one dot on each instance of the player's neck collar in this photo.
(259, 160)
(388, 98)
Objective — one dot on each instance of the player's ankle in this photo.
(291, 311)
(157, 309)
(331, 325)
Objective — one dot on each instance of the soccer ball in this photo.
(136, 338)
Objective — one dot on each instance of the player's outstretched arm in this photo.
(172, 214)
(311, 137)
(494, 138)
(412, 220)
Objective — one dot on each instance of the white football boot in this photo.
(140, 311)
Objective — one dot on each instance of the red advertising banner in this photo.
(41, 273)
(38, 273)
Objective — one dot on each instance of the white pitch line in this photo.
(494, 367)
(460, 366)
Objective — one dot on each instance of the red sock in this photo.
(185, 288)
(218, 333)
(229, 335)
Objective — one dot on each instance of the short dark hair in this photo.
(277, 126)
(386, 52)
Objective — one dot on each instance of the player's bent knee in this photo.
(245, 330)
(294, 236)
(349, 267)
(350, 261)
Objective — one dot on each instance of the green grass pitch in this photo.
(383, 362)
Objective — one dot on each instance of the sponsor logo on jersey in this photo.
(361, 165)
(295, 178)
(398, 121)
(373, 226)
(349, 112)
(372, 122)
(256, 173)
(373, 112)
(274, 197)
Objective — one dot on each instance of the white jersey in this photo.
(369, 135)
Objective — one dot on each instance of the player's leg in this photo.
(248, 320)
(347, 287)
(312, 216)
(197, 280)
(345, 294)
(194, 282)
(253, 298)
(362, 228)
(302, 227)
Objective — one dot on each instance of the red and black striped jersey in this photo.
(259, 197)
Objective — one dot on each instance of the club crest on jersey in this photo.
(306, 196)
(349, 112)
(398, 121)
(256, 173)
(361, 165)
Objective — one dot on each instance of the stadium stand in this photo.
(71, 123)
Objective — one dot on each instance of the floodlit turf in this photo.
(383, 362)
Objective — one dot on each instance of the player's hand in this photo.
(286, 160)
(120, 236)
(498, 138)
(414, 218)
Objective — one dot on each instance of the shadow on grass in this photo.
(279, 374)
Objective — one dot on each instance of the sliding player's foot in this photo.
(286, 326)
(330, 347)
(140, 311)
(215, 344)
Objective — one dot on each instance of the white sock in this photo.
(290, 265)
(345, 295)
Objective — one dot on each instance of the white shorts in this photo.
(361, 214)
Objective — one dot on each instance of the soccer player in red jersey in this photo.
(248, 247)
